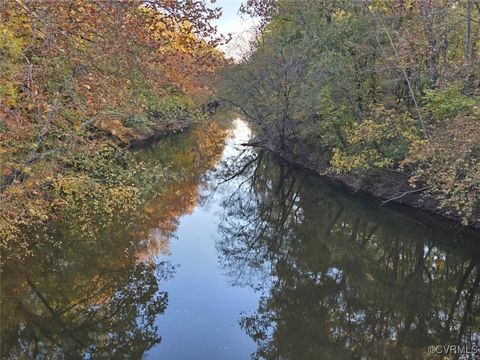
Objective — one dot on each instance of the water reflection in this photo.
(343, 278)
(339, 276)
(92, 301)
(188, 158)
(79, 299)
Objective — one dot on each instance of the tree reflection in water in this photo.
(341, 277)
(83, 310)
(82, 299)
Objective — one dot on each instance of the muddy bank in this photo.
(162, 128)
(157, 131)
(389, 185)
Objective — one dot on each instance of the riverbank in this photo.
(225, 239)
(155, 132)
(77, 182)
(160, 129)
(386, 184)
(368, 110)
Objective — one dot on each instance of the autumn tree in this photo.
(366, 88)
(80, 80)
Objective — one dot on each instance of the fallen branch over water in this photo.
(403, 194)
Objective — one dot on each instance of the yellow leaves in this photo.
(448, 163)
(440, 264)
(379, 5)
(10, 43)
(340, 15)
(186, 25)
(19, 213)
(8, 94)
(27, 170)
(123, 198)
(381, 140)
(148, 209)
(366, 131)
(37, 213)
(11, 48)
(365, 159)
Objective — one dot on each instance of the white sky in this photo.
(231, 22)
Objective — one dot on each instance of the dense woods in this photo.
(79, 82)
(123, 192)
(370, 90)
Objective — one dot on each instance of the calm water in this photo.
(238, 255)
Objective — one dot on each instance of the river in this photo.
(239, 255)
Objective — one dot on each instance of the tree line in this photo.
(79, 81)
(361, 86)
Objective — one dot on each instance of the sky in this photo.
(231, 22)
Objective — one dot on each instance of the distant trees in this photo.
(363, 85)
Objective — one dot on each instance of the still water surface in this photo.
(240, 255)
(201, 320)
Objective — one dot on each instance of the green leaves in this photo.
(340, 85)
(449, 164)
(449, 102)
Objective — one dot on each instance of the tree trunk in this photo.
(468, 35)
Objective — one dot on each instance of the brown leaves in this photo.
(64, 63)
(449, 164)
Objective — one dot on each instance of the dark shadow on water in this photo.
(341, 277)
